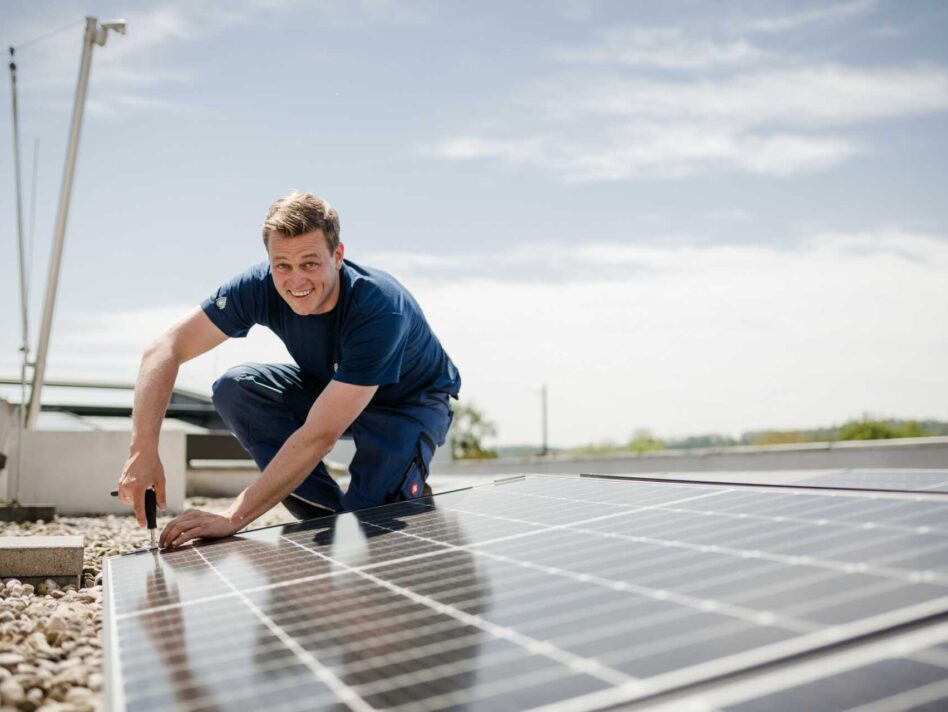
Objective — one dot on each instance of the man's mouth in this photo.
(300, 295)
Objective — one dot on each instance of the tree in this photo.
(468, 432)
(642, 440)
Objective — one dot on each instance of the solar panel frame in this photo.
(927, 480)
(551, 516)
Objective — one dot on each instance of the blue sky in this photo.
(683, 216)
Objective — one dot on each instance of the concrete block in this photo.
(76, 470)
(33, 559)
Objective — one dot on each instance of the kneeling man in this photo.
(367, 366)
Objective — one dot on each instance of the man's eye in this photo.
(282, 268)
(311, 265)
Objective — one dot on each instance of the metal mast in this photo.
(94, 34)
(14, 486)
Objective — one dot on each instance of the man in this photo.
(367, 366)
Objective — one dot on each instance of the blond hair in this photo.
(299, 213)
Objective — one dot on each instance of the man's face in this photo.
(305, 273)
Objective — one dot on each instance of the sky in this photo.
(689, 217)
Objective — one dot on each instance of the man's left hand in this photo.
(194, 524)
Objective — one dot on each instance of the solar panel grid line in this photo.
(314, 577)
(457, 699)
(173, 669)
(802, 521)
(543, 528)
(790, 560)
(265, 587)
(742, 553)
(319, 671)
(443, 669)
(771, 505)
(914, 514)
(658, 594)
(175, 606)
(260, 696)
(851, 597)
(534, 646)
(415, 676)
(348, 634)
(615, 626)
(808, 522)
(238, 693)
(822, 524)
(172, 658)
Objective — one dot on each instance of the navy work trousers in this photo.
(263, 404)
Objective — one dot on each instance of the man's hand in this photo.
(194, 524)
(142, 470)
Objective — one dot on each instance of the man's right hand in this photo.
(142, 470)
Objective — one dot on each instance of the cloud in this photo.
(778, 122)
(141, 66)
(666, 48)
(828, 95)
(822, 13)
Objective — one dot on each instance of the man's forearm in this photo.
(156, 378)
(289, 467)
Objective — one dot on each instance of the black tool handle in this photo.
(151, 508)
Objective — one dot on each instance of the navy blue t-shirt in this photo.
(376, 335)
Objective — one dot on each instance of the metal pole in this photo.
(58, 236)
(545, 450)
(13, 490)
(19, 201)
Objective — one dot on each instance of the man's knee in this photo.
(228, 389)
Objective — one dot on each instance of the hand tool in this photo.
(151, 513)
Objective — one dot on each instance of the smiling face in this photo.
(305, 272)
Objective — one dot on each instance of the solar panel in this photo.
(537, 591)
(886, 480)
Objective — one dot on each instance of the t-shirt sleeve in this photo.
(372, 349)
(239, 303)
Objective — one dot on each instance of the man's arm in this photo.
(334, 410)
(192, 336)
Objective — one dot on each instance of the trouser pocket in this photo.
(413, 481)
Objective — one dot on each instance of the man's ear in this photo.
(339, 254)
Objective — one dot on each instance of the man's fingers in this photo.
(138, 503)
(185, 536)
(175, 527)
(160, 493)
(171, 530)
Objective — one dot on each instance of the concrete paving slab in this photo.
(33, 559)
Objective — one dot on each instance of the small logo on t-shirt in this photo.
(414, 488)
(335, 367)
(221, 302)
